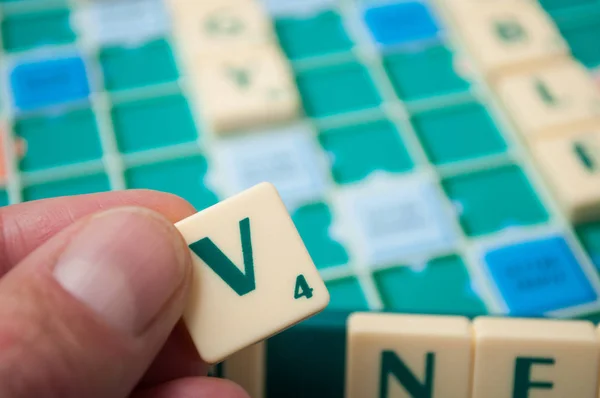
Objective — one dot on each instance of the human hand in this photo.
(92, 289)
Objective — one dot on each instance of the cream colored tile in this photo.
(253, 277)
(571, 166)
(504, 36)
(246, 89)
(534, 358)
(247, 369)
(551, 99)
(393, 356)
(202, 28)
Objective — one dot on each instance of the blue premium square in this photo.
(539, 276)
(44, 83)
(401, 23)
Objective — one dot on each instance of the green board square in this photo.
(315, 35)
(589, 234)
(346, 295)
(130, 67)
(59, 140)
(153, 123)
(559, 5)
(182, 177)
(425, 73)
(313, 223)
(491, 200)
(25, 31)
(579, 37)
(337, 89)
(459, 132)
(442, 287)
(361, 149)
(4, 199)
(73, 186)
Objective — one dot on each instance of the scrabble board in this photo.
(436, 157)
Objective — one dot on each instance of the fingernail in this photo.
(125, 264)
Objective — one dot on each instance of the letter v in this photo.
(241, 282)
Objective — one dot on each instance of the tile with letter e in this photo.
(253, 277)
(246, 89)
(534, 358)
(203, 28)
(539, 276)
(505, 36)
(41, 83)
(571, 165)
(550, 99)
(401, 23)
(395, 219)
(394, 355)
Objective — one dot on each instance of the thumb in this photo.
(85, 314)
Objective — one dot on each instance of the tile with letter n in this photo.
(253, 277)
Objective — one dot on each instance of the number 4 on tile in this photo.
(302, 288)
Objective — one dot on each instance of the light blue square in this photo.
(401, 23)
(44, 83)
(539, 276)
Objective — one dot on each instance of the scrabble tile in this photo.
(246, 89)
(287, 157)
(40, 83)
(394, 220)
(391, 355)
(539, 276)
(278, 287)
(571, 165)
(504, 36)
(550, 99)
(203, 28)
(534, 358)
(247, 368)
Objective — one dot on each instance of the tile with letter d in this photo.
(246, 89)
(571, 166)
(505, 36)
(252, 275)
(534, 358)
(550, 99)
(393, 355)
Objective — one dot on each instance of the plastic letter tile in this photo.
(571, 164)
(37, 84)
(346, 294)
(204, 28)
(392, 355)
(314, 35)
(183, 177)
(337, 89)
(313, 223)
(238, 264)
(115, 22)
(401, 23)
(130, 67)
(247, 88)
(57, 140)
(286, 157)
(550, 99)
(395, 219)
(534, 358)
(404, 289)
(459, 132)
(589, 235)
(24, 31)
(74, 186)
(578, 35)
(362, 149)
(153, 123)
(495, 199)
(425, 73)
(247, 369)
(507, 35)
(535, 277)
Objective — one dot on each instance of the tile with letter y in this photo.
(393, 355)
(253, 277)
(534, 358)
